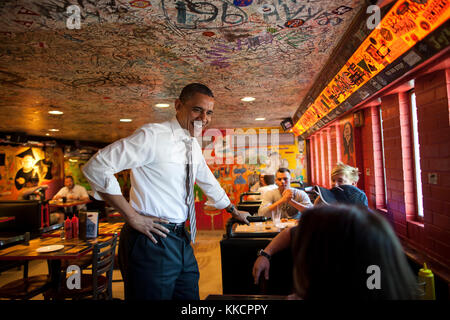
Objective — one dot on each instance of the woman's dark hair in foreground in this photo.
(333, 248)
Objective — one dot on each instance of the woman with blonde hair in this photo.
(343, 181)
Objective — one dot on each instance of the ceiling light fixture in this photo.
(260, 119)
(162, 105)
(57, 112)
(73, 160)
(47, 134)
(126, 120)
(248, 99)
(53, 130)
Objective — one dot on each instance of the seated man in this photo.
(344, 179)
(291, 201)
(72, 191)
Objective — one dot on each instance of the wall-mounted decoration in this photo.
(403, 26)
(29, 166)
(348, 140)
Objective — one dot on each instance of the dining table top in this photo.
(72, 248)
(265, 227)
(6, 219)
(104, 229)
(68, 203)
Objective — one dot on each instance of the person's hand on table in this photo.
(261, 265)
(241, 216)
(148, 226)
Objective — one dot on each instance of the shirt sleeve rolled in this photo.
(133, 151)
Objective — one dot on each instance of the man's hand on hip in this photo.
(148, 226)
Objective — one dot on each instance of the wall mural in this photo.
(130, 54)
(348, 142)
(22, 167)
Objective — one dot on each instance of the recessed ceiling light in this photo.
(126, 120)
(47, 134)
(55, 112)
(260, 119)
(162, 105)
(53, 130)
(248, 99)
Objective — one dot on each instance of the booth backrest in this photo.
(27, 215)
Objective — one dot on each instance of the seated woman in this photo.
(343, 181)
(339, 251)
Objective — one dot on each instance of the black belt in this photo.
(176, 227)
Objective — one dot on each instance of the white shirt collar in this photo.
(178, 131)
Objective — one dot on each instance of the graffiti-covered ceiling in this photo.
(125, 56)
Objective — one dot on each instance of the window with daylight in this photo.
(418, 176)
(383, 157)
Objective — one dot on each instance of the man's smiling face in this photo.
(198, 109)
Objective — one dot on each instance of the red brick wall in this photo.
(432, 236)
(432, 99)
(368, 155)
(393, 162)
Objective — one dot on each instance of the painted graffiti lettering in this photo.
(341, 10)
(435, 9)
(327, 18)
(440, 40)
(195, 15)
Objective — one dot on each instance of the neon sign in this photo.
(403, 26)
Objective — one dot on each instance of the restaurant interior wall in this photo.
(430, 238)
(240, 175)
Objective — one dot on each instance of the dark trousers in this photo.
(167, 270)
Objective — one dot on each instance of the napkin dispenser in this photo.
(88, 224)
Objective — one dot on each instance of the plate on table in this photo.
(51, 248)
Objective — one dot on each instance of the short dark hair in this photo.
(69, 177)
(269, 179)
(188, 91)
(334, 245)
(283, 170)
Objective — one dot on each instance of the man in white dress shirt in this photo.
(155, 255)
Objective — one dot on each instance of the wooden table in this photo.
(104, 229)
(73, 249)
(6, 219)
(68, 203)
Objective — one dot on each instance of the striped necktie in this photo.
(190, 189)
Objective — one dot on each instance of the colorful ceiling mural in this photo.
(122, 57)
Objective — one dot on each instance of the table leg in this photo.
(56, 274)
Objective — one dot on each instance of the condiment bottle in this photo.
(75, 226)
(68, 228)
(427, 277)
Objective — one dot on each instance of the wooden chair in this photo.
(93, 285)
(27, 287)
